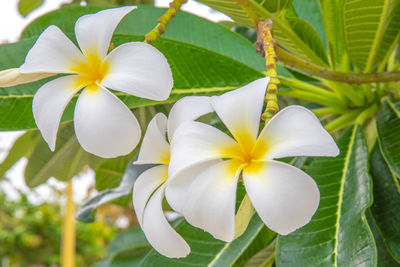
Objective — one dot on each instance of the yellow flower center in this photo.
(92, 71)
(247, 154)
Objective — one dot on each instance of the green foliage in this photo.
(206, 58)
(27, 6)
(386, 207)
(215, 253)
(65, 162)
(338, 234)
(31, 234)
(129, 176)
(388, 124)
(371, 29)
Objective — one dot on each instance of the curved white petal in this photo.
(210, 200)
(158, 232)
(94, 31)
(155, 148)
(53, 52)
(145, 185)
(103, 124)
(49, 103)
(194, 142)
(295, 131)
(139, 69)
(12, 77)
(187, 109)
(240, 110)
(284, 197)
(178, 184)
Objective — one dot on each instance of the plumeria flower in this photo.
(206, 164)
(104, 125)
(148, 191)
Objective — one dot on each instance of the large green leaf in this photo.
(371, 28)
(87, 211)
(68, 160)
(291, 32)
(386, 207)
(184, 27)
(22, 147)
(109, 173)
(388, 126)
(384, 257)
(196, 70)
(338, 234)
(208, 251)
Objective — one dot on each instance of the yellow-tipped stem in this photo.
(68, 240)
(163, 21)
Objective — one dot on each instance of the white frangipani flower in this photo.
(104, 125)
(206, 164)
(148, 191)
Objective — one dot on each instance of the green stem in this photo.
(163, 21)
(312, 97)
(326, 111)
(294, 83)
(312, 69)
(367, 113)
(342, 121)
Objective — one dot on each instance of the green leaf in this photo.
(27, 6)
(338, 234)
(384, 257)
(128, 244)
(310, 11)
(388, 127)
(88, 209)
(371, 28)
(291, 32)
(185, 27)
(68, 160)
(110, 172)
(386, 207)
(207, 251)
(23, 147)
(333, 26)
(264, 258)
(196, 69)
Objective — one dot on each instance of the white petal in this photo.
(104, 125)
(155, 148)
(295, 131)
(195, 142)
(145, 186)
(49, 103)
(53, 52)
(12, 77)
(240, 110)
(158, 232)
(94, 31)
(187, 109)
(210, 200)
(139, 69)
(178, 184)
(284, 197)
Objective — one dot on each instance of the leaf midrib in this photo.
(341, 193)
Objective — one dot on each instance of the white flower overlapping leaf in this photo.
(104, 125)
(148, 191)
(206, 164)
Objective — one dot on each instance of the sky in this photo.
(11, 25)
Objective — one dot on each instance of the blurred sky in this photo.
(11, 25)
